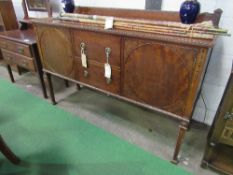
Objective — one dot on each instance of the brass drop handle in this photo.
(83, 55)
(85, 73)
(20, 50)
(107, 68)
(108, 51)
(24, 63)
(82, 46)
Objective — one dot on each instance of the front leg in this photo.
(182, 130)
(10, 73)
(51, 91)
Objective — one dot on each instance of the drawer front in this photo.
(16, 47)
(3, 43)
(95, 45)
(94, 76)
(22, 61)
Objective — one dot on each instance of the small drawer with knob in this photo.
(3, 44)
(94, 75)
(20, 60)
(18, 48)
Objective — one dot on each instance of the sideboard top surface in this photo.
(159, 37)
(137, 14)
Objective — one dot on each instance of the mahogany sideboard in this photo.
(159, 72)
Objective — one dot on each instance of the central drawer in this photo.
(95, 45)
(94, 76)
(16, 47)
(20, 60)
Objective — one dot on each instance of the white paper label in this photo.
(84, 60)
(107, 70)
(109, 23)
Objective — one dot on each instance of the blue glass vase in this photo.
(189, 11)
(68, 6)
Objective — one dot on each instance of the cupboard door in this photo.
(158, 74)
(56, 51)
(222, 130)
(227, 133)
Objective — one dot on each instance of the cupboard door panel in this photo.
(158, 74)
(56, 51)
(222, 130)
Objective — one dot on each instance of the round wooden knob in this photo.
(85, 73)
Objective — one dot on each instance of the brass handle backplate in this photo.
(85, 73)
(24, 63)
(108, 80)
(228, 116)
(21, 50)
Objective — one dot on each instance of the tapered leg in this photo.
(40, 73)
(10, 73)
(8, 153)
(78, 87)
(19, 70)
(42, 83)
(67, 83)
(183, 127)
(51, 89)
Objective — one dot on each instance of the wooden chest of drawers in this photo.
(20, 60)
(19, 48)
(162, 73)
(219, 149)
(8, 19)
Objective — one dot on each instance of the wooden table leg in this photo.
(10, 73)
(208, 152)
(39, 70)
(183, 128)
(42, 83)
(67, 83)
(7, 152)
(19, 70)
(78, 87)
(51, 88)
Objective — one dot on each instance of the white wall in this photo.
(174, 5)
(138, 4)
(220, 63)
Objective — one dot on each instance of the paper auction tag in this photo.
(84, 60)
(109, 23)
(107, 71)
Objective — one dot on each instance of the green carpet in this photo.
(52, 141)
